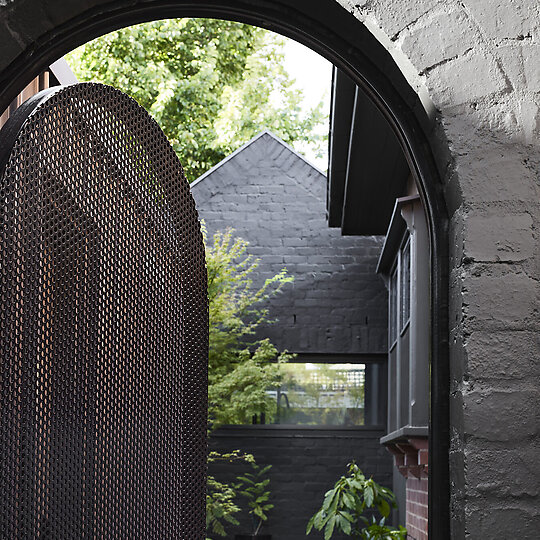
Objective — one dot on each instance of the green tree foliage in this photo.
(239, 372)
(210, 84)
(244, 388)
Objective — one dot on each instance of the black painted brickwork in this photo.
(305, 464)
(277, 201)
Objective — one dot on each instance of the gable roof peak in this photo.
(256, 138)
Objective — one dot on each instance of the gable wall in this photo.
(276, 201)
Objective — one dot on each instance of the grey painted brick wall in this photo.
(477, 60)
(277, 201)
(305, 464)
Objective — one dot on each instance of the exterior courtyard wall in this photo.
(477, 60)
(276, 201)
(306, 462)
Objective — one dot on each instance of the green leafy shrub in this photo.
(221, 505)
(240, 371)
(237, 367)
(254, 486)
(344, 507)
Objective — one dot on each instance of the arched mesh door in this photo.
(103, 325)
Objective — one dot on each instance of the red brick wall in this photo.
(411, 459)
(417, 508)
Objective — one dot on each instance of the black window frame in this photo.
(380, 359)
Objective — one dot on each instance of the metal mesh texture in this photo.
(103, 325)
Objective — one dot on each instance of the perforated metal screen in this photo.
(103, 325)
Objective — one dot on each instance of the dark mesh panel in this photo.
(103, 325)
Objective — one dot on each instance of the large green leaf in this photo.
(369, 496)
(344, 506)
(329, 529)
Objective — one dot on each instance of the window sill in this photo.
(404, 433)
(409, 446)
(292, 431)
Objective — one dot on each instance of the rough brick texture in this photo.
(478, 62)
(417, 508)
(276, 200)
(305, 464)
(411, 459)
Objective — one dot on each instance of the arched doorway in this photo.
(329, 30)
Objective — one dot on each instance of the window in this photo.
(404, 262)
(405, 284)
(399, 295)
(321, 394)
(329, 394)
(393, 307)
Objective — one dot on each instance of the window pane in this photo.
(321, 394)
(392, 322)
(405, 284)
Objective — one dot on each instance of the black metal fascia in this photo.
(376, 171)
(341, 116)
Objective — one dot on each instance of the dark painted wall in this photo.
(277, 201)
(337, 304)
(306, 462)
